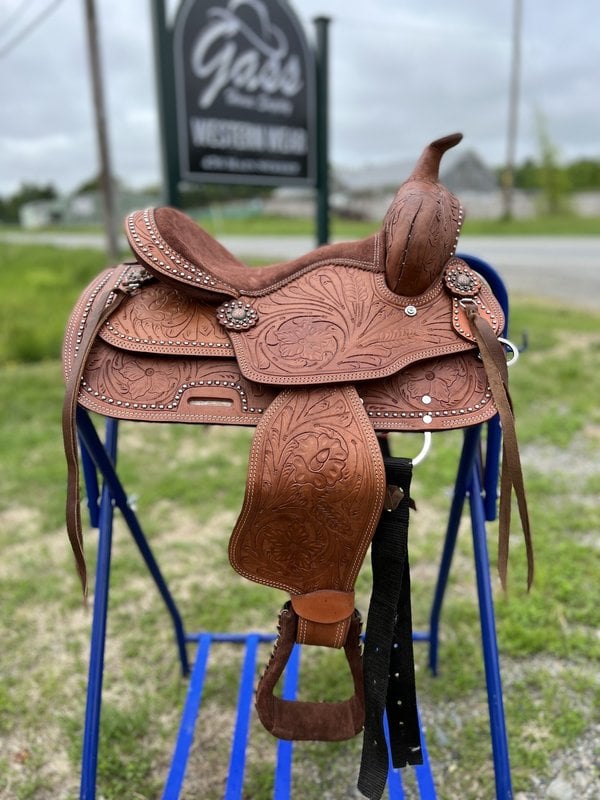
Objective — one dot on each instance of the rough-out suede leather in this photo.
(306, 720)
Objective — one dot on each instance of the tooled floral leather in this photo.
(342, 325)
(314, 494)
(437, 394)
(160, 319)
(422, 224)
(163, 357)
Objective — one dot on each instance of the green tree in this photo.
(527, 175)
(584, 174)
(553, 179)
(28, 192)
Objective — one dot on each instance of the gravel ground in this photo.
(576, 775)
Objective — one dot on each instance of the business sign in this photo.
(244, 77)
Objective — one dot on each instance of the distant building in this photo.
(41, 213)
(460, 171)
(81, 209)
(371, 188)
(367, 191)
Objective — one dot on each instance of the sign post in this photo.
(322, 182)
(163, 59)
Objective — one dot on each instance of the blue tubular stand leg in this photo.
(490, 645)
(91, 732)
(191, 709)
(423, 773)
(235, 779)
(92, 490)
(468, 457)
(395, 785)
(92, 443)
(494, 432)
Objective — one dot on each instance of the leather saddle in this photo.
(390, 333)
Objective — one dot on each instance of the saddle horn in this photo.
(422, 224)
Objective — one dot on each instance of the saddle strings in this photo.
(107, 303)
(494, 362)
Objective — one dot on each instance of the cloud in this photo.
(400, 75)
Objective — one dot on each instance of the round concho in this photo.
(460, 279)
(237, 315)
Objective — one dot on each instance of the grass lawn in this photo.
(189, 485)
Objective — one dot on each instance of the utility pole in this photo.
(106, 183)
(508, 177)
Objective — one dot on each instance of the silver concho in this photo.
(460, 279)
(236, 315)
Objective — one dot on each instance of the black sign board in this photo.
(244, 79)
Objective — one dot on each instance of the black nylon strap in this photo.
(388, 653)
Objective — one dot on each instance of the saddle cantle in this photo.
(392, 332)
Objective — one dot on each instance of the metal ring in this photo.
(467, 301)
(514, 349)
(424, 450)
(422, 454)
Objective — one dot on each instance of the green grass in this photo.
(38, 286)
(273, 225)
(189, 482)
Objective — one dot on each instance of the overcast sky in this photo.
(402, 72)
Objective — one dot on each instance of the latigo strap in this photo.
(388, 661)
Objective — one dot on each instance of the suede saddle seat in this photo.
(319, 354)
(185, 255)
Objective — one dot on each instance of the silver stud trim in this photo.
(173, 405)
(192, 273)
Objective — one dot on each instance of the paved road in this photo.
(565, 269)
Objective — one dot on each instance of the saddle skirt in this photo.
(319, 354)
(165, 356)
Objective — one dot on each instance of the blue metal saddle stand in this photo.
(475, 482)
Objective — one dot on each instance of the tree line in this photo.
(544, 175)
(580, 176)
(192, 196)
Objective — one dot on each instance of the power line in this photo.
(35, 22)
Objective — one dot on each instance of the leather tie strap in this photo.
(388, 654)
(494, 361)
(106, 303)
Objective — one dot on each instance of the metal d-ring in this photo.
(422, 455)
(513, 348)
(469, 301)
